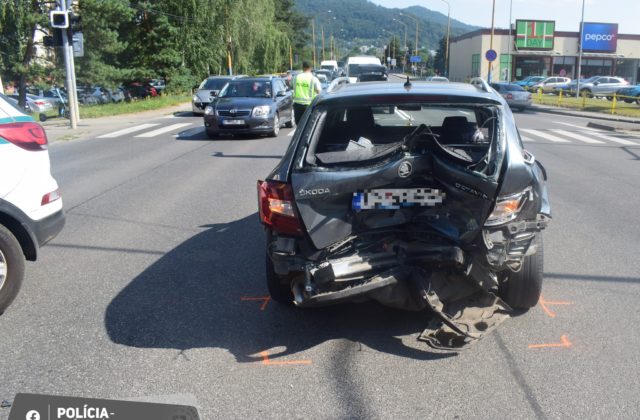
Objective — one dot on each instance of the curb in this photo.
(591, 115)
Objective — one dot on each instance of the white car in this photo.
(31, 211)
(547, 85)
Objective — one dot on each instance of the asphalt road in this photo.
(154, 286)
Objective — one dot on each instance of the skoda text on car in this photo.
(420, 196)
(30, 205)
(252, 105)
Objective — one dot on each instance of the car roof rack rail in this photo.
(481, 84)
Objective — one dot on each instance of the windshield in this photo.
(327, 67)
(213, 84)
(247, 89)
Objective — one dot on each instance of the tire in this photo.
(278, 286)
(609, 98)
(292, 121)
(522, 290)
(276, 126)
(212, 134)
(638, 100)
(586, 92)
(11, 268)
(42, 117)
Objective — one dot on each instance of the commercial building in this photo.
(537, 49)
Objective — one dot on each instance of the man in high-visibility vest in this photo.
(305, 87)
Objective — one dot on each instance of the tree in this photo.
(439, 59)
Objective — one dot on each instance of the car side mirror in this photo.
(281, 93)
(596, 83)
(214, 93)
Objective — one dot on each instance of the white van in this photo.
(354, 62)
(329, 65)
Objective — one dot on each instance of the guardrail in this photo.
(614, 104)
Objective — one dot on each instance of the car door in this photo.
(600, 85)
(285, 105)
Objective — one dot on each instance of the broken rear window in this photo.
(353, 135)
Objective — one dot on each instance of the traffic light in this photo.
(75, 23)
(59, 19)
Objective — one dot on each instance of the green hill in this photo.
(361, 22)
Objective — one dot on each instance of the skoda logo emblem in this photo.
(404, 170)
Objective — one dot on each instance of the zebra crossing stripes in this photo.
(544, 135)
(163, 130)
(577, 136)
(127, 131)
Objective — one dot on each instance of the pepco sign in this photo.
(600, 37)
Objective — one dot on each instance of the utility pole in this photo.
(290, 57)
(313, 40)
(446, 50)
(510, 42)
(322, 31)
(493, 16)
(580, 53)
(67, 50)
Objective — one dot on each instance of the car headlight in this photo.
(261, 111)
(195, 98)
(507, 208)
(208, 110)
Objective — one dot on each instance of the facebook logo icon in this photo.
(33, 415)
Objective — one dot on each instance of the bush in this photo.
(181, 82)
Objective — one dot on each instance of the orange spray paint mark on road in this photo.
(265, 299)
(543, 304)
(564, 342)
(267, 361)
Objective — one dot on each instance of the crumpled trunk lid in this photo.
(456, 202)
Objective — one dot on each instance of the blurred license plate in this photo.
(232, 122)
(395, 198)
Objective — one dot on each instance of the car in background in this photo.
(629, 94)
(158, 84)
(139, 90)
(31, 211)
(328, 74)
(253, 105)
(324, 82)
(568, 88)
(515, 95)
(354, 65)
(547, 85)
(39, 104)
(436, 79)
(371, 73)
(599, 86)
(528, 85)
(207, 91)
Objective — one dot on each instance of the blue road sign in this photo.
(491, 55)
(415, 59)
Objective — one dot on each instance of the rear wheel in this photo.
(11, 268)
(279, 286)
(587, 93)
(276, 126)
(522, 290)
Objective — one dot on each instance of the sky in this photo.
(566, 13)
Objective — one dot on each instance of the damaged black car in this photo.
(419, 196)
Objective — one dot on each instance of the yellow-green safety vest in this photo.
(303, 89)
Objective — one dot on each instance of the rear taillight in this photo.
(509, 96)
(39, 103)
(27, 135)
(277, 210)
(51, 197)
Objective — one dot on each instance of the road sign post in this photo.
(491, 56)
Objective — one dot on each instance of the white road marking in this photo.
(544, 135)
(614, 139)
(578, 136)
(127, 131)
(291, 133)
(403, 114)
(524, 138)
(163, 130)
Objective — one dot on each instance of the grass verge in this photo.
(601, 105)
(107, 110)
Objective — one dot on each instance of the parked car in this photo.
(207, 91)
(528, 82)
(30, 205)
(257, 105)
(629, 93)
(547, 85)
(139, 90)
(328, 74)
(599, 86)
(158, 85)
(39, 104)
(567, 88)
(419, 196)
(515, 95)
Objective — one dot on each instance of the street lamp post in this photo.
(415, 51)
(580, 53)
(446, 50)
(493, 16)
